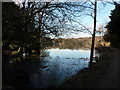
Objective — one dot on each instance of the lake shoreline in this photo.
(69, 48)
(94, 76)
(55, 65)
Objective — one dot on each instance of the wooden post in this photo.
(93, 35)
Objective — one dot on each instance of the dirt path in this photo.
(111, 77)
(108, 78)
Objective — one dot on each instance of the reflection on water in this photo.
(49, 71)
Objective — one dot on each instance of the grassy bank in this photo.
(88, 78)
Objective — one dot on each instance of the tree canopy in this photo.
(113, 28)
(28, 25)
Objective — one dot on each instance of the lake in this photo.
(50, 71)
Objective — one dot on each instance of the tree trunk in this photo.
(93, 36)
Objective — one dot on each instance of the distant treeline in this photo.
(73, 43)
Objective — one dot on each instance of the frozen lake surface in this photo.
(52, 70)
(60, 65)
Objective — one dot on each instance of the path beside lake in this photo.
(110, 78)
(107, 77)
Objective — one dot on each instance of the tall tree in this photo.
(18, 28)
(93, 35)
(113, 27)
(26, 24)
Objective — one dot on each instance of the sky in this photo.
(103, 13)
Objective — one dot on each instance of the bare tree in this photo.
(55, 18)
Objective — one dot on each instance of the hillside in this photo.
(74, 43)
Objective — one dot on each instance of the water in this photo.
(52, 71)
